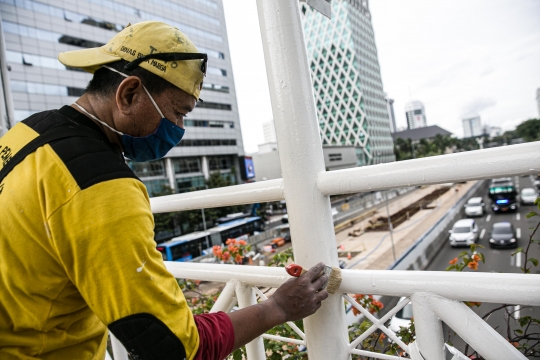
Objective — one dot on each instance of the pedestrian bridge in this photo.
(436, 297)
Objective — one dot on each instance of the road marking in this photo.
(518, 259)
(518, 233)
(482, 233)
(518, 216)
(488, 217)
(517, 308)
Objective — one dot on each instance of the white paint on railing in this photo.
(264, 191)
(227, 299)
(428, 327)
(246, 297)
(473, 165)
(472, 329)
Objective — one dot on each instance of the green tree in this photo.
(529, 130)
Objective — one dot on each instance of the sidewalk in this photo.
(375, 248)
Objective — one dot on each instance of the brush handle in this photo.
(295, 270)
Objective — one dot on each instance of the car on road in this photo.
(528, 196)
(502, 234)
(474, 207)
(402, 318)
(463, 233)
(285, 219)
(503, 197)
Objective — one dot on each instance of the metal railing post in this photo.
(119, 351)
(429, 331)
(227, 298)
(302, 161)
(246, 297)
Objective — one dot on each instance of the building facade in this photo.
(349, 96)
(415, 114)
(269, 132)
(472, 126)
(390, 106)
(36, 31)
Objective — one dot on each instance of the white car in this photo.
(402, 317)
(464, 233)
(474, 207)
(528, 196)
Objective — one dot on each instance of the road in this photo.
(499, 260)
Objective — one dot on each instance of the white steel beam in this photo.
(264, 191)
(483, 287)
(246, 297)
(471, 165)
(302, 160)
(472, 329)
(429, 331)
(227, 299)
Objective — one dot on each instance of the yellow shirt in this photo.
(77, 253)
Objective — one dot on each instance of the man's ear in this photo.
(128, 95)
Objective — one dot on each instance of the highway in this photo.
(499, 260)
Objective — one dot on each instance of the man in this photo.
(77, 254)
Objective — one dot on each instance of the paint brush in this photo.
(334, 276)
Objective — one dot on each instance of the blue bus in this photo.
(186, 247)
(236, 228)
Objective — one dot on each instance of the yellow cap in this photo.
(141, 39)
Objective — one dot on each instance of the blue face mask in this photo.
(151, 147)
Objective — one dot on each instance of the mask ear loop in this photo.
(144, 87)
(95, 118)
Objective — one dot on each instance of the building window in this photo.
(214, 87)
(219, 163)
(191, 183)
(157, 187)
(209, 123)
(149, 168)
(208, 142)
(186, 165)
(211, 105)
(216, 71)
(47, 89)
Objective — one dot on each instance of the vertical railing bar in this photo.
(226, 300)
(429, 331)
(295, 328)
(119, 351)
(246, 297)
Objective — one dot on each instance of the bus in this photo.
(236, 228)
(503, 197)
(186, 247)
(231, 217)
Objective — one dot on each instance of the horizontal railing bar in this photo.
(370, 354)
(264, 191)
(516, 289)
(471, 165)
(283, 339)
(521, 159)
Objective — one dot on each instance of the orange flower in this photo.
(242, 242)
(217, 250)
(226, 256)
(476, 258)
(355, 311)
(238, 258)
(230, 241)
(453, 261)
(473, 265)
(194, 300)
(231, 248)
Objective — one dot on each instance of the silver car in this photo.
(463, 233)
(474, 207)
(528, 196)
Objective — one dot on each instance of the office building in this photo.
(349, 95)
(35, 31)
(269, 132)
(415, 114)
(472, 126)
(390, 108)
(426, 132)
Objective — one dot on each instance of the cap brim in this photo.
(87, 59)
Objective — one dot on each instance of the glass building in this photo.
(349, 96)
(36, 31)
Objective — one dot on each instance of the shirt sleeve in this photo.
(104, 236)
(216, 336)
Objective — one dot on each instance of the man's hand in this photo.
(300, 297)
(294, 300)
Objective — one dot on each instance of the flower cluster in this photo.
(234, 249)
(368, 302)
(467, 259)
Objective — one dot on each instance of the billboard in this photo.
(247, 169)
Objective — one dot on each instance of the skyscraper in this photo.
(416, 115)
(347, 83)
(472, 126)
(35, 31)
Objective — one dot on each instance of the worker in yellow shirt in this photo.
(77, 254)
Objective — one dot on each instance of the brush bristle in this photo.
(334, 280)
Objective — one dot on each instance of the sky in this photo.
(459, 58)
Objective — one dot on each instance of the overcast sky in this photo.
(458, 57)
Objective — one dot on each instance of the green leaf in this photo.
(518, 331)
(480, 246)
(482, 257)
(524, 320)
(537, 201)
(463, 253)
(534, 261)
(518, 250)
(531, 214)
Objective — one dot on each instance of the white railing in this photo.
(435, 296)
